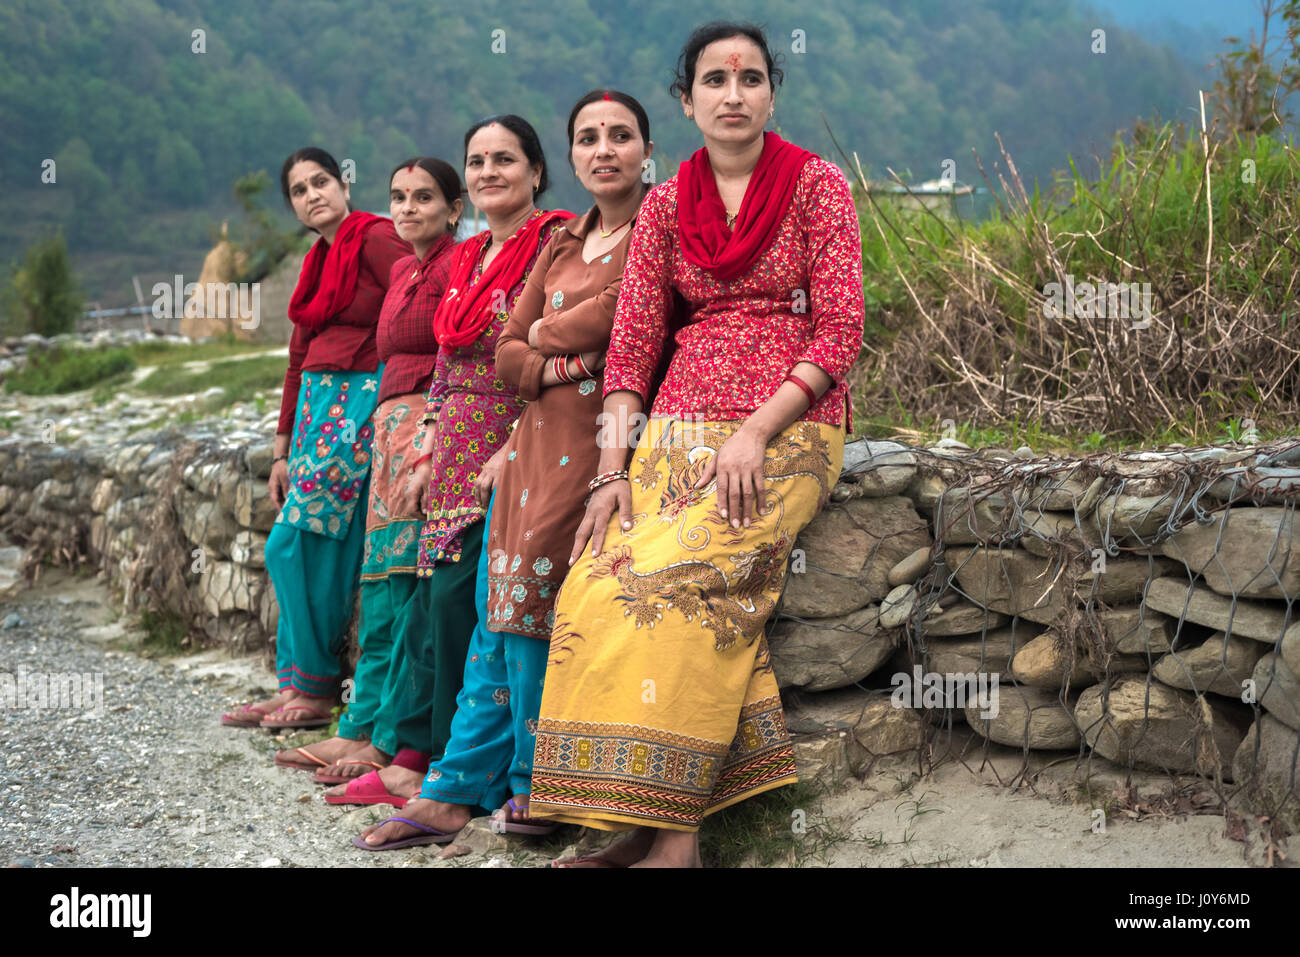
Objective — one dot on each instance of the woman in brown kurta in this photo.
(552, 350)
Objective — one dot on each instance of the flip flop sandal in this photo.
(431, 835)
(231, 719)
(367, 789)
(322, 719)
(517, 828)
(315, 763)
(320, 777)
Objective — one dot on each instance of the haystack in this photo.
(214, 307)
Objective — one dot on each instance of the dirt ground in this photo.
(151, 779)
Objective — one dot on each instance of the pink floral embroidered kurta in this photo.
(474, 408)
(801, 301)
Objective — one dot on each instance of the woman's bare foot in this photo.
(673, 849)
(249, 713)
(519, 814)
(301, 711)
(399, 781)
(334, 751)
(306, 706)
(448, 818)
(402, 781)
(624, 853)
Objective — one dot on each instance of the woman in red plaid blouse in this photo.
(377, 724)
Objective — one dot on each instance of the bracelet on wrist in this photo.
(420, 461)
(582, 367)
(604, 478)
(560, 365)
(807, 389)
(280, 458)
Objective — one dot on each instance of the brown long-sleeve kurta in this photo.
(552, 453)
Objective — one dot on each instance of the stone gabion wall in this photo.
(176, 524)
(1136, 607)
(1139, 607)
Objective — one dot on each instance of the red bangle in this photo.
(812, 396)
(420, 461)
(582, 366)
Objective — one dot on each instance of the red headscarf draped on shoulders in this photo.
(328, 280)
(465, 310)
(726, 252)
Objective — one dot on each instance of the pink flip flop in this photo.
(431, 835)
(231, 718)
(367, 789)
(322, 719)
(320, 777)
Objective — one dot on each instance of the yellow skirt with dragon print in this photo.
(660, 706)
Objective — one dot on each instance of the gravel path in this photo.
(150, 778)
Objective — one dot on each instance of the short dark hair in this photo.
(527, 139)
(684, 76)
(444, 175)
(312, 154)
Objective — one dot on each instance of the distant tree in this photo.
(41, 295)
(264, 244)
(1251, 92)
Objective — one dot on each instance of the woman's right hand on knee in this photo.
(611, 497)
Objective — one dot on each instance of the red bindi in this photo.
(411, 168)
(605, 97)
(733, 61)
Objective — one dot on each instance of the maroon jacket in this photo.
(347, 340)
(407, 346)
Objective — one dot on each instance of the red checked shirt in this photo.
(347, 340)
(801, 301)
(407, 346)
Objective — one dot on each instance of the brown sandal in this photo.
(315, 763)
(319, 719)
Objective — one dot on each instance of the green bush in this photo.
(41, 295)
(68, 370)
(240, 378)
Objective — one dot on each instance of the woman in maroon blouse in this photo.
(320, 469)
(380, 724)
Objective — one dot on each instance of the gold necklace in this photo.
(600, 217)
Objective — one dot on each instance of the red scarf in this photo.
(726, 252)
(328, 280)
(466, 310)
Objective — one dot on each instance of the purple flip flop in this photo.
(514, 828)
(431, 835)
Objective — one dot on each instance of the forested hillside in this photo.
(148, 133)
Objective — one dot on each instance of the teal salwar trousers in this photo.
(315, 580)
(489, 756)
(383, 704)
(314, 550)
(433, 652)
